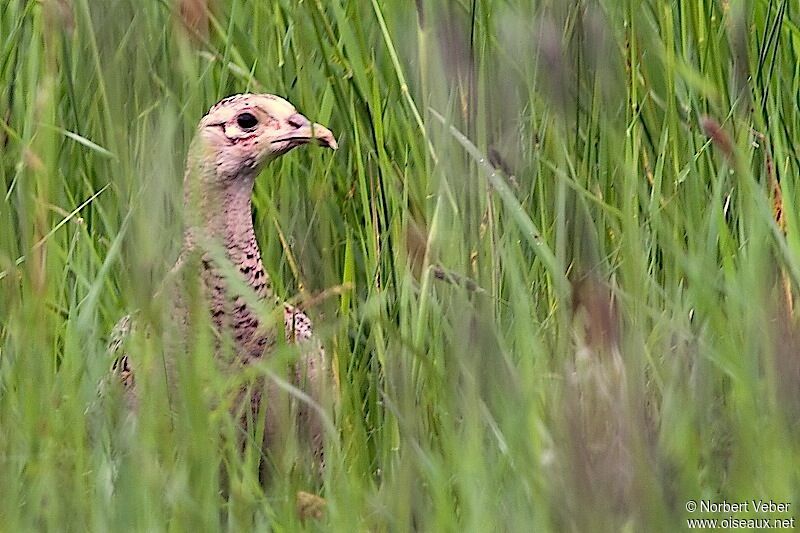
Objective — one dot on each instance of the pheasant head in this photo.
(241, 133)
(237, 137)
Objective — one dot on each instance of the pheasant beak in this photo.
(303, 131)
(324, 136)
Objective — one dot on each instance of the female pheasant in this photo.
(234, 141)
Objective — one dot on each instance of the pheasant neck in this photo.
(222, 213)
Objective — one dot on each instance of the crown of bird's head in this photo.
(241, 133)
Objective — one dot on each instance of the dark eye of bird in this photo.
(246, 121)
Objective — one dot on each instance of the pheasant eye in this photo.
(246, 121)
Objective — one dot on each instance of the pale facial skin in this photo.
(242, 133)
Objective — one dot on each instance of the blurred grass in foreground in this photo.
(561, 239)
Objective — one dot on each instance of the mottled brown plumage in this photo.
(239, 135)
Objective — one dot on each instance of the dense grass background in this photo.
(555, 259)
